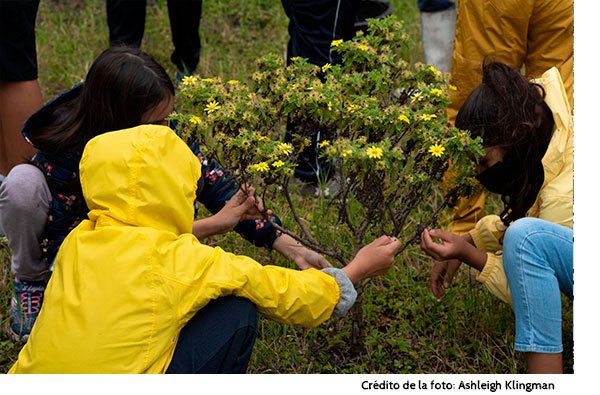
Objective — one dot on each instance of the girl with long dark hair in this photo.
(41, 202)
(527, 133)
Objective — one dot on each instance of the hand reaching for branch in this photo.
(304, 257)
(373, 259)
(452, 247)
(242, 206)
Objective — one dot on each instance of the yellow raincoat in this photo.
(128, 279)
(554, 202)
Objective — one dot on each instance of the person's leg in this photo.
(20, 94)
(126, 19)
(538, 262)
(496, 29)
(18, 100)
(218, 339)
(550, 41)
(438, 22)
(24, 204)
(313, 25)
(184, 17)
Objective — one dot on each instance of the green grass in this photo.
(407, 329)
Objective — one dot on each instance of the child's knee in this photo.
(519, 231)
(24, 191)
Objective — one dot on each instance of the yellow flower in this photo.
(363, 47)
(195, 120)
(208, 79)
(233, 82)
(329, 106)
(324, 144)
(435, 71)
(380, 165)
(278, 163)
(295, 58)
(436, 92)
(326, 67)
(428, 117)
(346, 152)
(374, 152)
(261, 167)
(285, 148)
(436, 150)
(452, 87)
(404, 118)
(353, 108)
(212, 106)
(416, 97)
(189, 80)
(336, 43)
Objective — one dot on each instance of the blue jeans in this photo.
(538, 261)
(434, 5)
(218, 339)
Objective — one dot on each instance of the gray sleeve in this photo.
(347, 291)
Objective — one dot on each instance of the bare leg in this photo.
(18, 100)
(540, 363)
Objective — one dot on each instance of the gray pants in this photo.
(24, 204)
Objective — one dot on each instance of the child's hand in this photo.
(242, 206)
(442, 274)
(304, 257)
(452, 247)
(373, 259)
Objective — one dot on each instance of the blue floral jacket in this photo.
(68, 206)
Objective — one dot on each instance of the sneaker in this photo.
(25, 307)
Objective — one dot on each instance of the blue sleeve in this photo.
(215, 189)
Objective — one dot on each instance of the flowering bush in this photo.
(383, 128)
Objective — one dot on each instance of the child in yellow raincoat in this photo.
(130, 278)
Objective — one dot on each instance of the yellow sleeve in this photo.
(487, 233)
(306, 298)
(493, 277)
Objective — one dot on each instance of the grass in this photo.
(408, 330)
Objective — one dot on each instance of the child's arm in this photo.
(304, 298)
(217, 189)
(488, 265)
(240, 207)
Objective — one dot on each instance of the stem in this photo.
(288, 197)
(420, 228)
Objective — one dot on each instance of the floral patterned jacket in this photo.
(68, 207)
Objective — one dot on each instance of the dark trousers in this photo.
(434, 5)
(218, 339)
(126, 21)
(313, 25)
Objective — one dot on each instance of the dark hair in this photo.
(122, 85)
(509, 112)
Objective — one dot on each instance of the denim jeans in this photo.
(218, 339)
(538, 262)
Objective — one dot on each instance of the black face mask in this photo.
(499, 178)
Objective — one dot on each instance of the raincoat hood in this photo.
(127, 177)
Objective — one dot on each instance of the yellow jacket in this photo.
(554, 202)
(128, 279)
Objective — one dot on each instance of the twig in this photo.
(288, 197)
